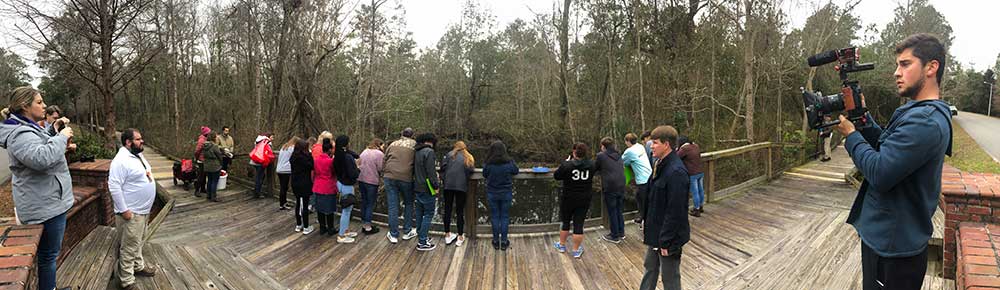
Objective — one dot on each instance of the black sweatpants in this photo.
(882, 273)
(302, 210)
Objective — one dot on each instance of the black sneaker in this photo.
(283, 207)
(496, 245)
(372, 231)
(426, 247)
(504, 245)
(611, 239)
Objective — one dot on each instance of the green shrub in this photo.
(89, 145)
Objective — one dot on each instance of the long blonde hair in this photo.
(324, 135)
(469, 160)
(291, 142)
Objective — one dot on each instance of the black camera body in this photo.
(819, 108)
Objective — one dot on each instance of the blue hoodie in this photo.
(902, 167)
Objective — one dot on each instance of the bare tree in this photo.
(117, 49)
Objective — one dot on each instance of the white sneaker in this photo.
(307, 230)
(351, 234)
(345, 240)
(449, 238)
(391, 238)
(460, 241)
(298, 228)
(410, 235)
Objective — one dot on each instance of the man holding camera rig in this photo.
(902, 166)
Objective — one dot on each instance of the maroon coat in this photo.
(690, 154)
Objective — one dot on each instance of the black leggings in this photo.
(575, 213)
(283, 179)
(456, 198)
(302, 211)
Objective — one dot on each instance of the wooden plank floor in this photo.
(787, 234)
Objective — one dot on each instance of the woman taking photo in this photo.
(577, 175)
(40, 180)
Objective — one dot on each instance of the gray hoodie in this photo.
(423, 169)
(612, 169)
(454, 172)
(40, 178)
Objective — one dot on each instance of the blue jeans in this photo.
(258, 179)
(213, 183)
(369, 193)
(48, 250)
(614, 202)
(500, 219)
(345, 213)
(393, 190)
(698, 189)
(425, 212)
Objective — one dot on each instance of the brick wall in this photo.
(977, 256)
(95, 174)
(966, 198)
(17, 255)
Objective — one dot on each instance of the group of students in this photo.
(322, 173)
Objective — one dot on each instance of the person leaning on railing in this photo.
(499, 170)
(40, 180)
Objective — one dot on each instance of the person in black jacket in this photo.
(666, 225)
(425, 183)
(612, 169)
(301, 179)
(346, 169)
(577, 175)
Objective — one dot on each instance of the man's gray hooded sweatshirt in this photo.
(902, 168)
(612, 168)
(40, 179)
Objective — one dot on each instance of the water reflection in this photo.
(536, 201)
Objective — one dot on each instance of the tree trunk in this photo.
(563, 64)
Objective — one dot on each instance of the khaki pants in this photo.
(130, 250)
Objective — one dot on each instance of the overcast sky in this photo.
(976, 42)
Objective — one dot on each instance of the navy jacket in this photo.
(666, 223)
(500, 180)
(902, 168)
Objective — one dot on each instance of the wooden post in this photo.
(710, 180)
(471, 205)
(769, 158)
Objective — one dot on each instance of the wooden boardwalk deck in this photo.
(787, 234)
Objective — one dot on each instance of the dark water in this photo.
(536, 201)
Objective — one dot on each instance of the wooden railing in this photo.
(711, 159)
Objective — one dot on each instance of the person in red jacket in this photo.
(325, 187)
(690, 154)
(199, 159)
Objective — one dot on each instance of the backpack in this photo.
(262, 153)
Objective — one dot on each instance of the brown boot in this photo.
(694, 212)
(149, 271)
